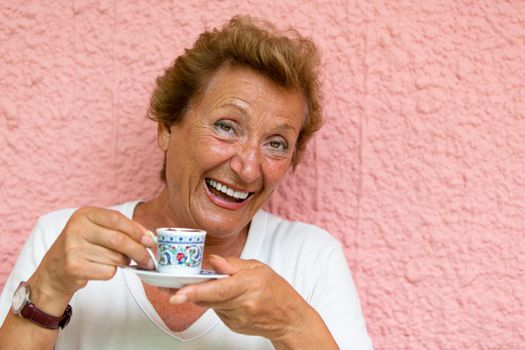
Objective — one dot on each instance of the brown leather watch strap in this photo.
(30, 312)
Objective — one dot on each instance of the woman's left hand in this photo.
(255, 300)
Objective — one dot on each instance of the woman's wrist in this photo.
(46, 298)
(308, 331)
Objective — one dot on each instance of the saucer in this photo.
(167, 280)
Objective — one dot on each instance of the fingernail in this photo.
(151, 264)
(147, 241)
(151, 234)
(179, 299)
(217, 257)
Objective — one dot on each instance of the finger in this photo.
(102, 255)
(232, 265)
(149, 239)
(215, 292)
(211, 293)
(121, 243)
(114, 220)
(100, 272)
(223, 266)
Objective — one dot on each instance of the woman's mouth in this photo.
(227, 193)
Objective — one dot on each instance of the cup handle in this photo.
(153, 258)
(150, 252)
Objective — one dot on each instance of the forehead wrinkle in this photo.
(241, 106)
(244, 108)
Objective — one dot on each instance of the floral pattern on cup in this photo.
(189, 255)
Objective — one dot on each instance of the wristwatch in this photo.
(23, 307)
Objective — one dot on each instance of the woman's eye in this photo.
(224, 127)
(278, 145)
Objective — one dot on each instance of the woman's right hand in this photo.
(94, 242)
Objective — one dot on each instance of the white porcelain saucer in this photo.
(167, 280)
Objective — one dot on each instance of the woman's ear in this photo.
(163, 136)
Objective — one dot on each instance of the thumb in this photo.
(223, 266)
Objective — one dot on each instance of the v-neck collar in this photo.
(209, 319)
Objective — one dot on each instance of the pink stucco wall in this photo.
(419, 171)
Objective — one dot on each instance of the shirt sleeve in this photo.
(337, 302)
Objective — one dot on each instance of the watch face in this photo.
(19, 298)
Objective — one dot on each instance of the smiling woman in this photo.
(242, 136)
(234, 114)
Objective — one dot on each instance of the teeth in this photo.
(226, 190)
(241, 195)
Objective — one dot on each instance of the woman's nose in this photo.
(246, 163)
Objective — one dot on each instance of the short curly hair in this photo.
(287, 58)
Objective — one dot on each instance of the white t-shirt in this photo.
(116, 314)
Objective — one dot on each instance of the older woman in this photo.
(234, 113)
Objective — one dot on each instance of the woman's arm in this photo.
(255, 300)
(19, 333)
(91, 246)
(312, 333)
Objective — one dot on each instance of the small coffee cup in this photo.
(179, 250)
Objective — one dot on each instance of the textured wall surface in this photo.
(419, 170)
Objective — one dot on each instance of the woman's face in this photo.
(238, 138)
